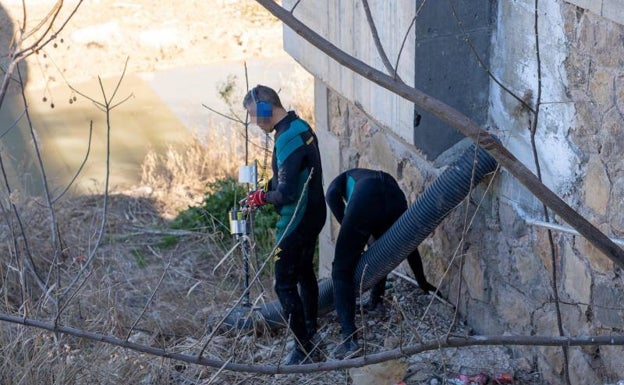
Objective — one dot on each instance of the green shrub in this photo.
(213, 214)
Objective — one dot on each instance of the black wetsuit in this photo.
(295, 156)
(366, 203)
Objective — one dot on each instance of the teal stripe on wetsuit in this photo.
(350, 185)
(287, 143)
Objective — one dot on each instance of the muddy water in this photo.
(78, 136)
(151, 111)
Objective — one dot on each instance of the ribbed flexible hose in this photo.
(420, 219)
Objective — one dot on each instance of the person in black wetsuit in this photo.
(295, 159)
(366, 203)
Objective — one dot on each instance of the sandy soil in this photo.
(151, 35)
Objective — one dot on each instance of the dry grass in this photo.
(162, 296)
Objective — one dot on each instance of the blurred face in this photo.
(263, 122)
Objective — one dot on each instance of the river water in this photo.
(152, 111)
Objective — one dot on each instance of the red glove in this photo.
(256, 198)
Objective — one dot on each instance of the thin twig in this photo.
(149, 301)
(407, 33)
(482, 63)
(82, 164)
(65, 303)
(12, 126)
(46, 38)
(46, 189)
(234, 119)
(26, 244)
(380, 49)
(551, 242)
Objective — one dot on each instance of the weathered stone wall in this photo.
(578, 141)
(595, 65)
(494, 253)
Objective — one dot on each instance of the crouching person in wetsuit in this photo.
(366, 203)
(295, 157)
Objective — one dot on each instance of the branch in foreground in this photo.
(405, 351)
(463, 124)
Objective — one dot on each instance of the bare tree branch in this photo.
(405, 36)
(26, 252)
(46, 37)
(462, 123)
(79, 170)
(54, 232)
(107, 105)
(551, 242)
(149, 301)
(234, 119)
(403, 351)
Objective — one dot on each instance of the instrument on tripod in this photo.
(241, 224)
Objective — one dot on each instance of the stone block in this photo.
(572, 316)
(511, 224)
(529, 272)
(616, 209)
(611, 137)
(597, 186)
(384, 373)
(550, 364)
(607, 49)
(475, 279)
(597, 260)
(612, 359)
(541, 248)
(607, 305)
(382, 154)
(577, 278)
(619, 92)
(581, 371)
(514, 308)
(600, 87)
(594, 6)
(483, 318)
(411, 181)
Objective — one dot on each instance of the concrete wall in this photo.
(505, 286)
(344, 24)
(452, 42)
